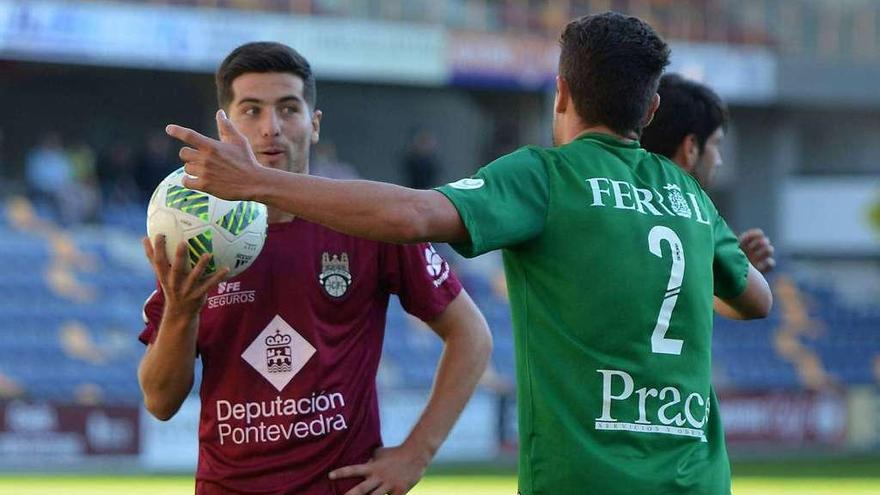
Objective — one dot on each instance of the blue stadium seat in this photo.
(31, 315)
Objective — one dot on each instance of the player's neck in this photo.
(598, 129)
(280, 216)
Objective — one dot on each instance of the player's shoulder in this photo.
(523, 155)
(546, 160)
(527, 161)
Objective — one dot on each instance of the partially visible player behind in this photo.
(290, 348)
(688, 128)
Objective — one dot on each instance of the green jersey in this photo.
(612, 256)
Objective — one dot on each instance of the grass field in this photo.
(811, 477)
(434, 485)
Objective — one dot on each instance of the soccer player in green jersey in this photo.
(612, 256)
(688, 128)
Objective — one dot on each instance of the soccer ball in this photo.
(234, 231)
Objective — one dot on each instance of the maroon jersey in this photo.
(290, 350)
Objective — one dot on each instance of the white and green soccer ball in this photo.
(234, 231)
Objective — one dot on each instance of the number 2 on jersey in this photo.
(659, 343)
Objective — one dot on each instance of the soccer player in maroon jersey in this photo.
(290, 348)
(688, 129)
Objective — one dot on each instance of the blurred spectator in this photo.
(797, 326)
(76, 342)
(325, 163)
(420, 165)
(50, 179)
(155, 162)
(85, 176)
(116, 170)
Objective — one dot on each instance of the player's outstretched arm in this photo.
(165, 373)
(755, 301)
(372, 210)
(466, 350)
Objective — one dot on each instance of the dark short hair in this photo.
(686, 107)
(612, 63)
(261, 57)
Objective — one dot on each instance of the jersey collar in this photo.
(609, 140)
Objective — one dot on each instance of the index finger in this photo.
(189, 136)
(361, 470)
(156, 255)
(757, 243)
(751, 234)
(181, 262)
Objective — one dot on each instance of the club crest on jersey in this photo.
(278, 353)
(335, 275)
(676, 201)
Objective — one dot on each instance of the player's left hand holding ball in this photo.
(184, 289)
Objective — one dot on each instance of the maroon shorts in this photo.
(323, 487)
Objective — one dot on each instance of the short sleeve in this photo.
(421, 278)
(503, 204)
(730, 267)
(152, 315)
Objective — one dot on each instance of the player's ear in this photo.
(687, 153)
(563, 95)
(316, 126)
(692, 150)
(652, 109)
